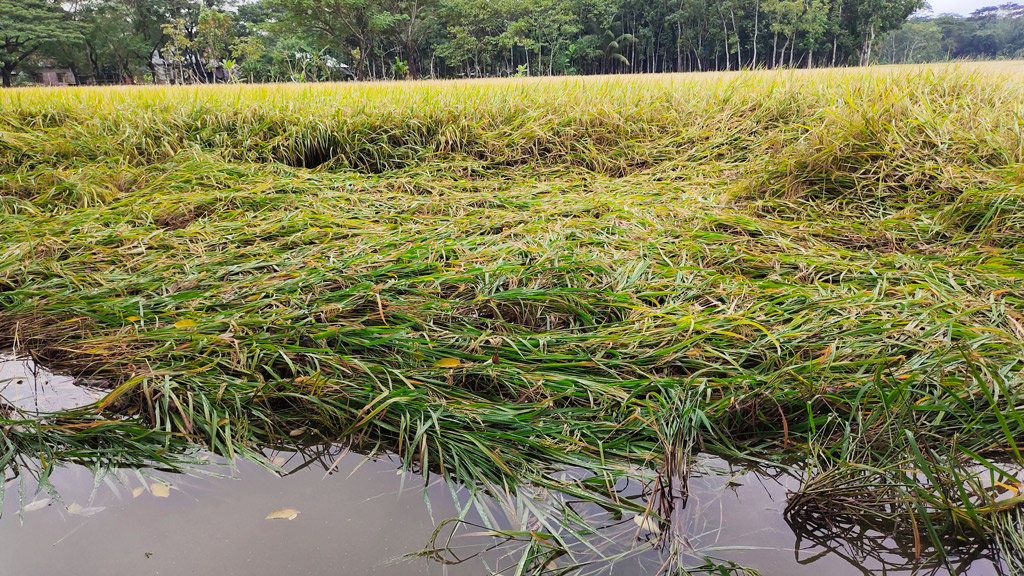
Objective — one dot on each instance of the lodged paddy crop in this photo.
(498, 280)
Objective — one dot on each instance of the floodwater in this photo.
(30, 388)
(352, 522)
(359, 515)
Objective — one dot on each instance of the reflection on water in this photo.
(363, 516)
(352, 522)
(30, 388)
(746, 511)
(359, 515)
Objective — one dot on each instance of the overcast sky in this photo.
(961, 6)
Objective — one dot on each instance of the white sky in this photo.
(964, 7)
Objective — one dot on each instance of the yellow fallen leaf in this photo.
(646, 522)
(222, 421)
(448, 363)
(138, 492)
(184, 324)
(160, 490)
(132, 318)
(76, 509)
(283, 514)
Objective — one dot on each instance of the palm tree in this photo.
(612, 47)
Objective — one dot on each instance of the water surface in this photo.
(30, 388)
(363, 515)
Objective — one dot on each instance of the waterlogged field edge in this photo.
(493, 279)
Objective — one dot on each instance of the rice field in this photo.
(496, 280)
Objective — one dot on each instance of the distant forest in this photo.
(188, 41)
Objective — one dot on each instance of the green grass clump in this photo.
(494, 278)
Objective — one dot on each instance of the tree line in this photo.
(186, 41)
(991, 33)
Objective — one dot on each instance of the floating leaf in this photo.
(647, 522)
(138, 492)
(279, 461)
(132, 318)
(184, 324)
(76, 510)
(448, 363)
(160, 490)
(283, 514)
(38, 504)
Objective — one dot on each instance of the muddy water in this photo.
(359, 515)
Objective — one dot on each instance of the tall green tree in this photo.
(413, 21)
(117, 39)
(361, 22)
(25, 26)
(877, 17)
(215, 36)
